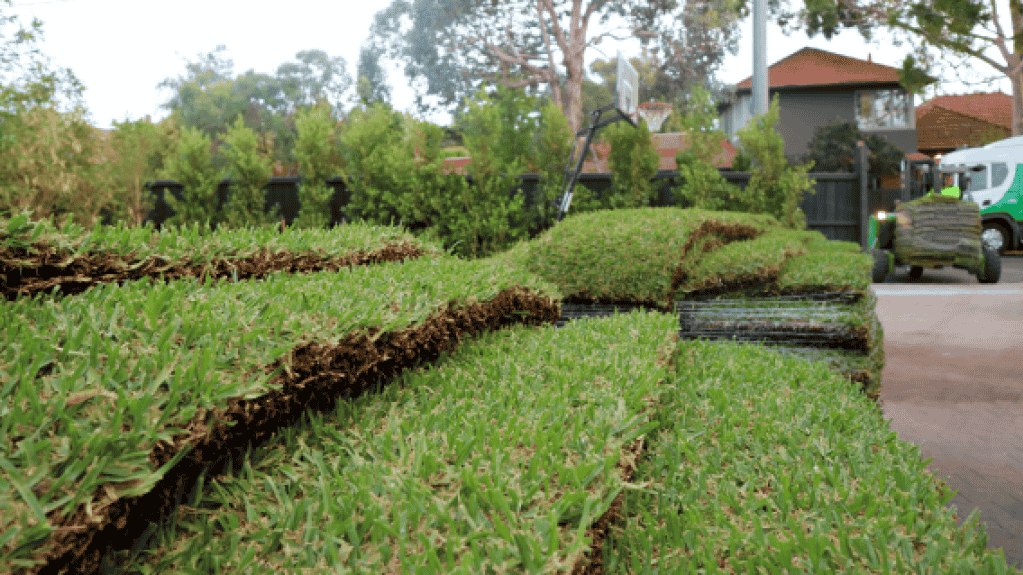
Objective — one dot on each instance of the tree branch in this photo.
(879, 13)
(559, 34)
(506, 58)
(1000, 43)
(555, 86)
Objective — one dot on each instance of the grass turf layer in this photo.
(767, 463)
(497, 458)
(191, 244)
(632, 255)
(806, 262)
(36, 258)
(79, 429)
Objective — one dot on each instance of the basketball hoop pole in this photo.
(596, 122)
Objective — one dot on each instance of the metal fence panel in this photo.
(834, 208)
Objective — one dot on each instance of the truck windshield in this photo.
(976, 179)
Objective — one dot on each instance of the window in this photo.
(999, 171)
(977, 180)
(882, 109)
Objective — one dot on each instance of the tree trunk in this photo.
(574, 94)
(1017, 104)
(1016, 16)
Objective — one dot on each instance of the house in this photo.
(816, 88)
(945, 123)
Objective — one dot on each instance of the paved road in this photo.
(953, 383)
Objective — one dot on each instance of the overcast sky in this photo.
(121, 49)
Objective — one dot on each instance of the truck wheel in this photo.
(996, 236)
(915, 272)
(880, 270)
(992, 267)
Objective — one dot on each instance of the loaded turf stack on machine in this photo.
(932, 232)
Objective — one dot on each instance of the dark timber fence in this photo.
(839, 209)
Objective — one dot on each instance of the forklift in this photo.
(932, 226)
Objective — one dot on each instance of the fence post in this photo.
(862, 171)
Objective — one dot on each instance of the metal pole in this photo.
(760, 101)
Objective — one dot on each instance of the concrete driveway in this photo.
(953, 384)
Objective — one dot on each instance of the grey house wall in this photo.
(800, 114)
(802, 111)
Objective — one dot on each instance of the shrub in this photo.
(774, 188)
(704, 186)
(380, 151)
(633, 162)
(138, 151)
(554, 144)
(315, 153)
(51, 163)
(489, 215)
(191, 165)
(833, 149)
(250, 171)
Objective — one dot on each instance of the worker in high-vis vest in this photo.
(950, 189)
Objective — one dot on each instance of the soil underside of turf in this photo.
(24, 273)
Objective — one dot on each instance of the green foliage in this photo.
(191, 165)
(28, 79)
(742, 162)
(209, 96)
(489, 215)
(553, 150)
(401, 179)
(137, 153)
(704, 186)
(250, 171)
(516, 128)
(371, 84)
(774, 188)
(380, 152)
(633, 162)
(317, 161)
(913, 77)
(833, 149)
(312, 78)
(51, 165)
(988, 135)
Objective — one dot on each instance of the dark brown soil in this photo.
(24, 273)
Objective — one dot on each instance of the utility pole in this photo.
(759, 57)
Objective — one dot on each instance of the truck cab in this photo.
(992, 177)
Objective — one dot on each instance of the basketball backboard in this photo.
(627, 90)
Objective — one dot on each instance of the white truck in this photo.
(992, 176)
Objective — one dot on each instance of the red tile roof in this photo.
(667, 145)
(992, 107)
(815, 67)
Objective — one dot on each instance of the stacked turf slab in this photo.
(938, 230)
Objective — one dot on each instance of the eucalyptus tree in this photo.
(209, 96)
(315, 76)
(371, 82)
(451, 47)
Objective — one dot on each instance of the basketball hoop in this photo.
(655, 113)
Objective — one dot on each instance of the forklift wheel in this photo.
(992, 267)
(880, 270)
